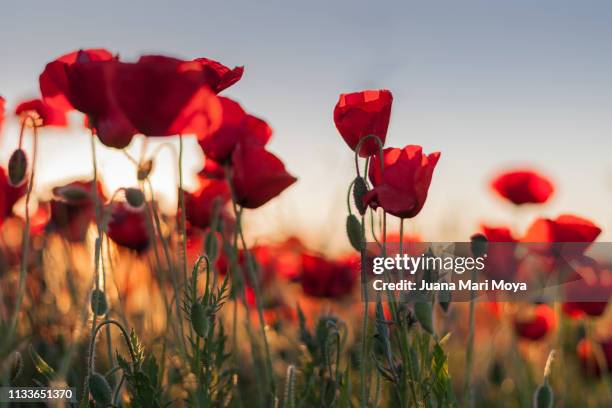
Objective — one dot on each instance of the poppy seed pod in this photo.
(17, 168)
(478, 245)
(99, 304)
(360, 189)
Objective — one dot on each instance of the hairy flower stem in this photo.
(25, 241)
(469, 356)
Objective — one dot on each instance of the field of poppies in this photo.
(104, 292)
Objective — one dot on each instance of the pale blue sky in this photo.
(489, 84)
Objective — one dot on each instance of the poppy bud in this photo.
(134, 197)
(17, 167)
(359, 191)
(144, 169)
(479, 245)
(353, 230)
(423, 313)
(72, 193)
(99, 305)
(16, 365)
(444, 299)
(100, 389)
(199, 320)
(543, 396)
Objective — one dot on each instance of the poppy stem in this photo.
(25, 240)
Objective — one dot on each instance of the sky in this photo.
(491, 85)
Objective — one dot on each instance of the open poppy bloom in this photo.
(364, 113)
(258, 176)
(523, 187)
(9, 195)
(127, 226)
(535, 323)
(322, 277)
(54, 85)
(402, 189)
(163, 96)
(73, 210)
(218, 76)
(200, 205)
(567, 234)
(236, 127)
(42, 112)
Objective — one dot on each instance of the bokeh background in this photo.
(492, 85)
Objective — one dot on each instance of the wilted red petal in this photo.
(523, 186)
(363, 113)
(258, 175)
(48, 115)
(54, 82)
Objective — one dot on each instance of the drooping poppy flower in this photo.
(73, 209)
(535, 323)
(523, 187)
(164, 96)
(200, 205)
(43, 112)
(590, 363)
(9, 195)
(402, 189)
(322, 277)
(218, 76)
(236, 127)
(53, 81)
(361, 114)
(127, 226)
(258, 176)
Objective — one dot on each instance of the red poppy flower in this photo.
(501, 262)
(322, 277)
(200, 204)
(164, 96)
(535, 324)
(90, 83)
(258, 175)
(265, 265)
(73, 210)
(402, 189)
(361, 114)
(578, 232)
(212, 170)
(48, 115)
(580, 309)
(9, 195)
(218, 76)
(236, 127)
(54, 85)
(590, 363)
(523, 186)
(127, 226)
